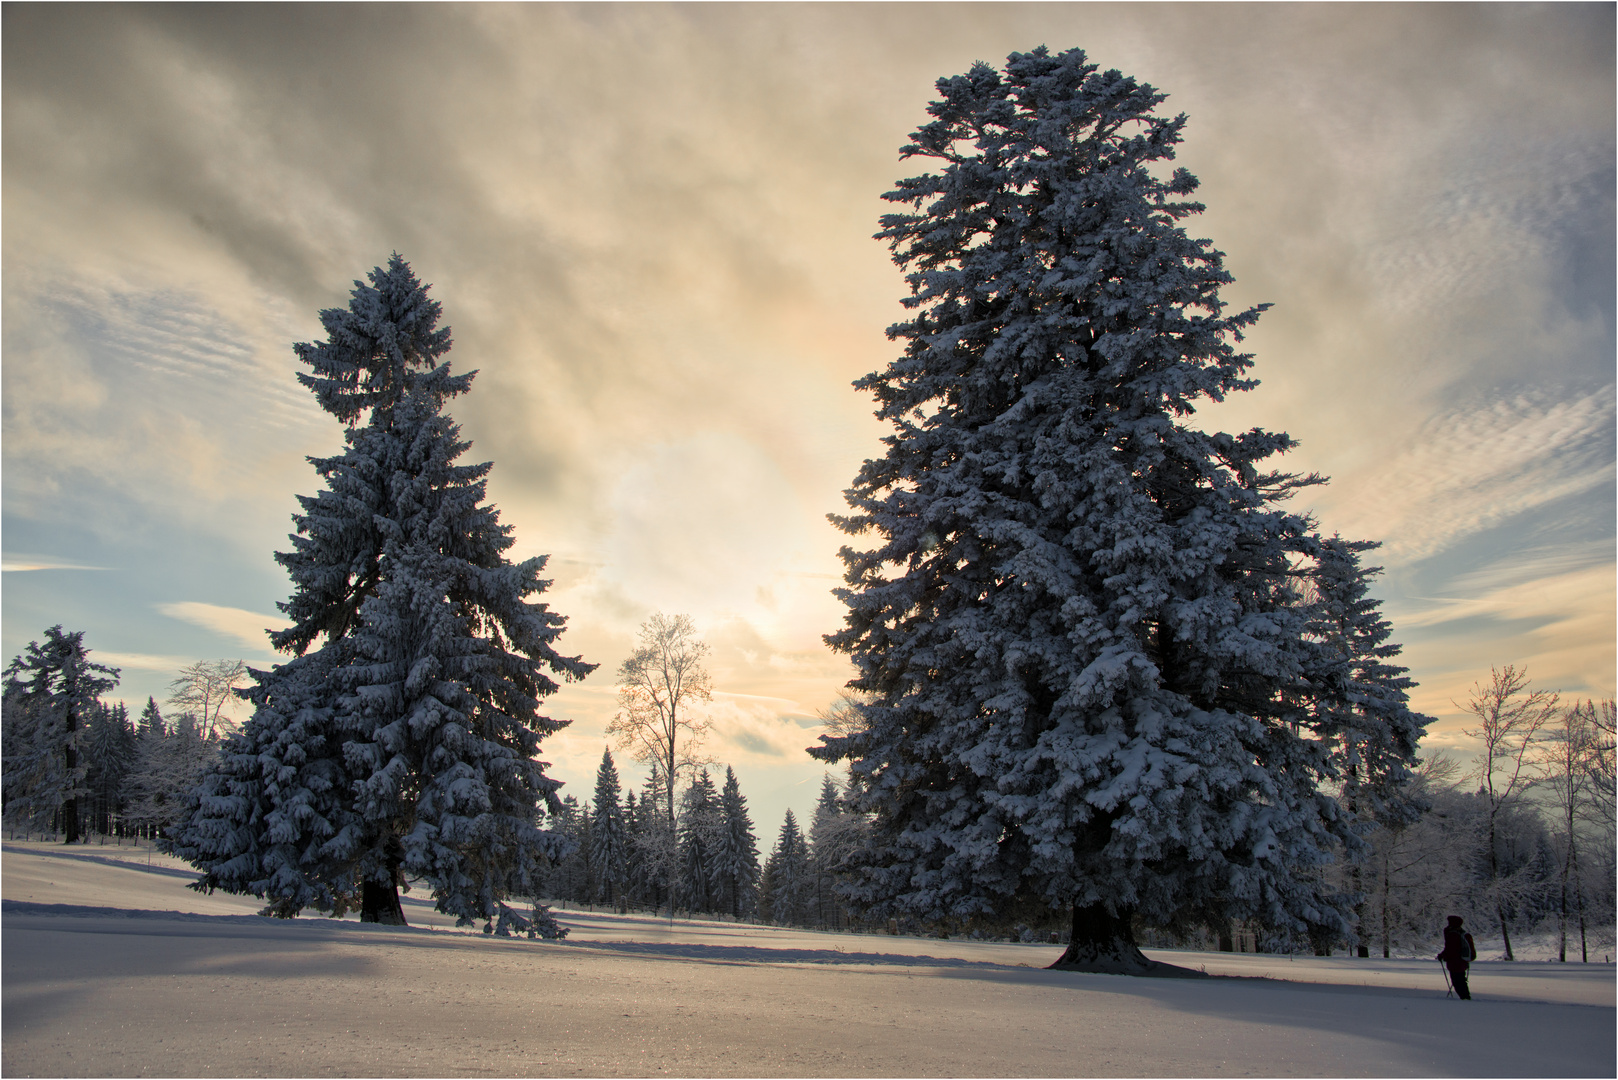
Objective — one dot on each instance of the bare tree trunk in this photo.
(1578, 891)
(1561, 915)
(673, 867)
(1494, 878)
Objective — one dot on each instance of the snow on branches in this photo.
(400, 741)
(1088, 667)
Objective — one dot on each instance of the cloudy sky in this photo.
(650, 228)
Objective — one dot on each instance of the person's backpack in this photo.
(1459, 946)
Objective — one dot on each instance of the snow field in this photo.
(114, 969)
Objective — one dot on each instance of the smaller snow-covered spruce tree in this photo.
(633, 829)
(400, 741)
(736, 853)
(1087, 676)
(701, 823)
(110, 756)
(1363, 709)
(791, 887)
(1363, 699)
(609, 837)
(168, 769)
(50, 692)
(836, 836)
(653, 845)
(822, 828)
(569, 877)
(150, 724)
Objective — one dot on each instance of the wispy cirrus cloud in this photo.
(26, 563)
(1472, 468)
(126, 661)
(1556, 625)
(247, 627)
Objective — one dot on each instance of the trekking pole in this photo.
(1449, 987)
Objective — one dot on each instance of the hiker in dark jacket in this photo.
(1459, 952)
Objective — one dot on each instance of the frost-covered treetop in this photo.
(388, 333)
(1046, 242)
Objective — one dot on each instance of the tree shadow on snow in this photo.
(758, 954)
(115, 863)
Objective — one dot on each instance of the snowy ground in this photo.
(113, 967)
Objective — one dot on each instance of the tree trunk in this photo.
(70, 809)
(1561, 916)
(379, 902)
(1494, 880)
(1362, 950)
(1104, 943)
(1578, 892)
(1387, 886)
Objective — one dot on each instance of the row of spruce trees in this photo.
(1535, 859)
(78, 765)
(139, 777)
(624, 856)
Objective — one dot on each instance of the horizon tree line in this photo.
(1530, 849)
(79, 765)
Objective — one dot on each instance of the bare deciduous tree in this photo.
(657, 686)
(1415, 865)
(1510, 717)
(845, 716)
(204, 689)
(1563, 752)
(1599, 766)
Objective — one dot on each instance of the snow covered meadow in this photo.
(113, 967)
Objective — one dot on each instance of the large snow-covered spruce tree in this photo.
(401, 739)
(1083, 649)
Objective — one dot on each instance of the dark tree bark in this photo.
(379, 902)
(70, 808)
(1104, 943)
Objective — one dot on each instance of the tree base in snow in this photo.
(1121, 962)
(1104, 944)
(380, 904)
